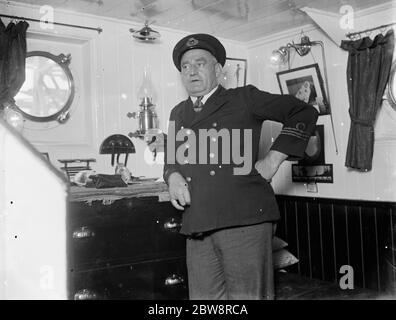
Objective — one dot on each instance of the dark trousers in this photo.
(233, 263)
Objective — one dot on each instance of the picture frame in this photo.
(234, 73)
(306, 84)
(314, 173)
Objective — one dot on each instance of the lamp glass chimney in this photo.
(148, 121)
(146, 93)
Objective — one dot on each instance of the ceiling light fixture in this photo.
(146, 33)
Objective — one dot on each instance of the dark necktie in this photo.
(198, 104)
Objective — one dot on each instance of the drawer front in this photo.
(136, 211)
(111, 246)
(125, 232)
(149, 280)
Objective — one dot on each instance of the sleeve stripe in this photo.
(305, 135)
(294, 135)
(296, 131)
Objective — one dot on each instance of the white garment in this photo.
(206, 96)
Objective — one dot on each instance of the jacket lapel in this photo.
(214, 103)
(187, 113)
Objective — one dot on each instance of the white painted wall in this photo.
(108, 69)
(32, 223)
(380, 182)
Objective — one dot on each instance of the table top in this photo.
(138, 189)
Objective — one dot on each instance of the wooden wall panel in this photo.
(326, 234)
(303, 237)
(355, 236)
(340, 237)
(326, 216)
(315, 237)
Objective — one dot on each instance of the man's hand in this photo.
(178, 190)
(268, 166)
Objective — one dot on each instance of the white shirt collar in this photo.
(206, 96)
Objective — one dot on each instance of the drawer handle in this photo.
(83, 232)
(85, 294)
(172, 225)
(174, 280)
(107, 202)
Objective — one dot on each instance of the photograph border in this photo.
(244, 61)
(312, 70)
(309, 179)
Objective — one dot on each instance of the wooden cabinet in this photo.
(129, 248)
(150, 279)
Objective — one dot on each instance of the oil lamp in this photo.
(147, 118)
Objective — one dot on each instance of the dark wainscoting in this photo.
(328, 233)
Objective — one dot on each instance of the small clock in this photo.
(391, 92)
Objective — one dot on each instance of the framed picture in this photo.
(306, 84)
(316, 173)
(234, 73)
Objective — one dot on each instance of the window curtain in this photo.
(12, 60)
(369, 64)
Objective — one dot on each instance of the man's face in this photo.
(199, 72)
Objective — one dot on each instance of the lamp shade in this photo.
(14, 117)
(279, 56)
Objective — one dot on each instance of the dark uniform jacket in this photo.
(220, 198)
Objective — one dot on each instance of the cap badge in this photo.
(192, 42)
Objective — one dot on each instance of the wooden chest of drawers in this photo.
(129, 248)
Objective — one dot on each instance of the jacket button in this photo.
(214, 124)
(212, 172)
(188, 179)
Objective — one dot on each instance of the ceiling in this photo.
(240, 20)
